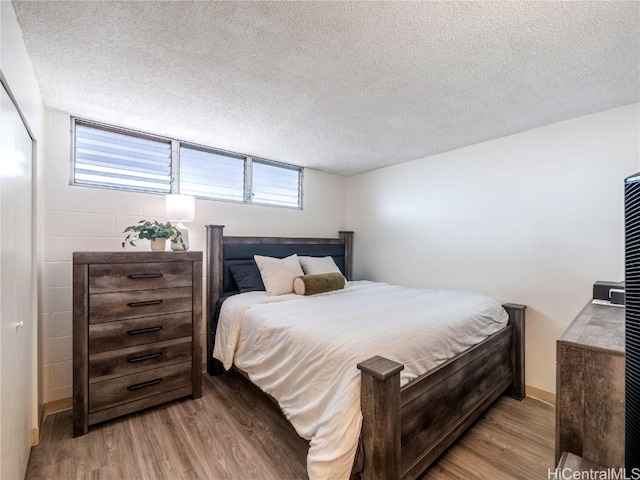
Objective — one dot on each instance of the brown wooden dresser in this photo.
(590, 387)
(136, 332)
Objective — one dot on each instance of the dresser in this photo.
(590, 387)
(136, 332)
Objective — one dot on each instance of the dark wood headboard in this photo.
(224, 251)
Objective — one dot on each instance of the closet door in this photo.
(16, 319)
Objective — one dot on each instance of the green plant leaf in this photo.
(149, 230)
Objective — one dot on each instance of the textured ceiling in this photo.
(344, 87)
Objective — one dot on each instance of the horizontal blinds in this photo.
(109, 159)
(211, 174)
(113, 157)
(275, 184)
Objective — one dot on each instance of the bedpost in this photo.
(380, 404)
(516, 320)
(214, 291)
(347, 238)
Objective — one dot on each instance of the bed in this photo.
(404, 429)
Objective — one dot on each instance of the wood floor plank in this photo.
(235, 432)
(147, 435)
(170, 418)
(108, 472)
(261, 421)
(512, 440)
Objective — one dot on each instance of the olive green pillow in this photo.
(319, 283)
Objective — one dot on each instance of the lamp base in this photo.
(176, 247)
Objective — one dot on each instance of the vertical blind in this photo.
(110, 159)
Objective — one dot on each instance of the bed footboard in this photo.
(516, 320)
(380, 400)
(404, 430)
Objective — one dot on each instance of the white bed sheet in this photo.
(303, 351)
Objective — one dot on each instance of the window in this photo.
(275, 184)
(211, 174)
(113, 157)
(107, 158)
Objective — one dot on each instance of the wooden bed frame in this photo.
(404, 430)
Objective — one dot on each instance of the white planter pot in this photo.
(158, 244)
(176, 247)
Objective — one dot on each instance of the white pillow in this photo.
(278, 274)
(316, 265)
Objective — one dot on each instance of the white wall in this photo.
(18, 72)
(534, 218)
(92, 219)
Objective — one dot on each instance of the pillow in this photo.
(315, 265)
(319, 283)
(247, 278)
(278, 274)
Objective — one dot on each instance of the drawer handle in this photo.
(144, 330)
(144, 304)
(142, 358)
(142, 276)
(150, 383)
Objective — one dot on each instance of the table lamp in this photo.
(180, 208)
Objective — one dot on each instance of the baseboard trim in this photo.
(542, 395)
(40, 418)
(57, 406)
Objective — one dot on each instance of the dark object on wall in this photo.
(632, 321)
(602, 290)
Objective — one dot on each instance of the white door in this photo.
(15, 291)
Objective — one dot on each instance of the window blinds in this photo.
(211, 174)
(114, 157)
(110, 159)
(275, 184)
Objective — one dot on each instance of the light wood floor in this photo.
(234, 432)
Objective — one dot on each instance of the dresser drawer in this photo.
(128, 333)
(129, 388)
(123, 277)
(107, 307)
(125, 361)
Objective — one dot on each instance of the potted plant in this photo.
(157, 232)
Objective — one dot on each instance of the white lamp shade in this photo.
(180, 207)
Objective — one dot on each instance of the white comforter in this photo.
(303, 351)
